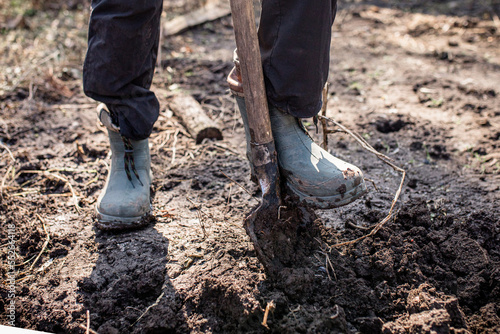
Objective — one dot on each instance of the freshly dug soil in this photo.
(420, 88)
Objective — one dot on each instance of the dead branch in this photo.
(91, 331)
(372, 182)
(226, 149)
(58, 177)
(149, 307)
(351, 224)
(384, 159)
(200, 217)
(5, 179)
(248, 192)
(174, 147)
(165, 141)
(8, 151)
(88, 322)
(212, 10)
(269, 307)
(45, 244)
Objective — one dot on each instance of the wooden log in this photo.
(212, 10)
(193, 118)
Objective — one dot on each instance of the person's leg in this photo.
(294, 38)
(118, 71)
(120, 62)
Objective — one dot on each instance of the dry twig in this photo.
(164, 142)
(8, 151)
(173, 146)
(248, 192)
(149, 307)
(91, 331)
(372, 182)
(88, 322)
(323, 113)
(384, 159)
(269, 307)
(228, 198)
(200, 217)
(325, 249)
(226, 149)
(47, 173)
(357, 226)
(328, 263)
(4, 179)
(45, 244)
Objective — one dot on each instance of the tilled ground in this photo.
(422, 89)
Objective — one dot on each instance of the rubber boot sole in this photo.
(112, 223)
(329, 202)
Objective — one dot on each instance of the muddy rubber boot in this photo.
(314, 175)
(125, 200)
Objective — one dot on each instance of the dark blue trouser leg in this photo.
(294, 37)
(120, 62)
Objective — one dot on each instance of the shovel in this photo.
(260, 223)
(282, 235)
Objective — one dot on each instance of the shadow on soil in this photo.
(129, 284)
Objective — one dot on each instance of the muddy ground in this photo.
(420, 82)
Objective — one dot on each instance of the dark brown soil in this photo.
(421, 88)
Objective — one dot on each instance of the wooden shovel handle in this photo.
(251, 71)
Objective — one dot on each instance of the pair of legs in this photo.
(294, 37)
